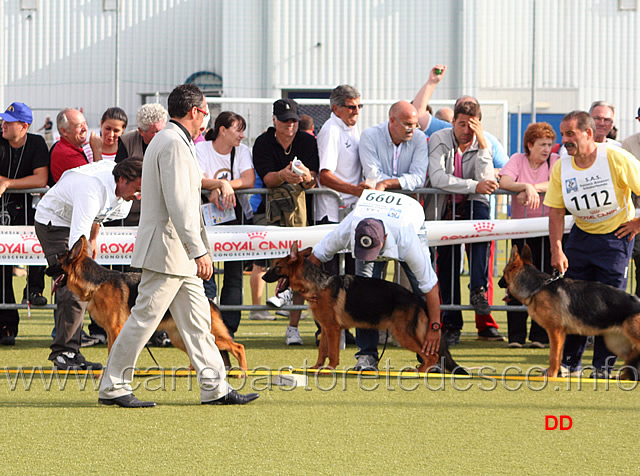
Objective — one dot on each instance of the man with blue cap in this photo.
(24, 162)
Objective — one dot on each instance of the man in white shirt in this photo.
(340, 167)
(83, 198)
(386, 226)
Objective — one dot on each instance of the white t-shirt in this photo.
(214, 165)
(83, 196)
(338, 152)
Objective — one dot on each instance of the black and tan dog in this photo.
(112, 294)
(568, 306)
(341, 302)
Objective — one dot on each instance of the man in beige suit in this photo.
(172, 250)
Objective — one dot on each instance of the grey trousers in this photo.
(70, 315)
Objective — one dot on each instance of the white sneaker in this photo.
(261, 316)
(366, 362)
(293, 336)
(285, 298)
(564, 372)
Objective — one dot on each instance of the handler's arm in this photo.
(334, 242)
(93, 239)
(432, 341)
(556, 229)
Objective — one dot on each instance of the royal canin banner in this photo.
(19, 244)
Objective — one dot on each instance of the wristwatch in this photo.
(436, 326)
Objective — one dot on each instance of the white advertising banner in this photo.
(19, 244)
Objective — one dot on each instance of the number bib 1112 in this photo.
(589, 194)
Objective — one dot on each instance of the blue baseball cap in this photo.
(18, 111)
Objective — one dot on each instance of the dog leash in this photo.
(152, 357)
(554, 277)
(384, 347)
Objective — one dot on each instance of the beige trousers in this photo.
(185, 299)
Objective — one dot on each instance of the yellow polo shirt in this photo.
(625, 173)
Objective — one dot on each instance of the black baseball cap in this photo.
(286, 109)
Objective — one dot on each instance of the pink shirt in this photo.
(519, 170)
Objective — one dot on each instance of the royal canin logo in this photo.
(257, 234)
(486, 226)
(29, 237)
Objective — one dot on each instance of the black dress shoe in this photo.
(126, 401)
(233, 398)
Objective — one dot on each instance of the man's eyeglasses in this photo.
(353, 108)
(204, 113)
(409, 128)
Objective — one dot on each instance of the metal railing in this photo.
(500, 209)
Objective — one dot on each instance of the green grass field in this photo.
(334, 425)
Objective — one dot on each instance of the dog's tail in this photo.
(447, 361)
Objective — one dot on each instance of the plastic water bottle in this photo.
(372, 177)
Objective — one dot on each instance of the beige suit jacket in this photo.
(171, 233)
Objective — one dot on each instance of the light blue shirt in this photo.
(377, 152)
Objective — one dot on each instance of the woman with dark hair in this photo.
(112, 125)
(227, 166)
(528, 175)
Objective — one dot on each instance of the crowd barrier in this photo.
(19, 245)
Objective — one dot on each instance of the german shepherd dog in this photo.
(341, 302)
(112, 294)
(568, 306)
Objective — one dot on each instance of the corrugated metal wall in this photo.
(586, 50)
(63, 54)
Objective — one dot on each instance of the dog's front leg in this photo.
(333, 345)
(556, 344)
(322, 349)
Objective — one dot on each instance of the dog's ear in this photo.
(79, 248)
(306, 252)
(526, 255)
(294, 249)
(514, 254)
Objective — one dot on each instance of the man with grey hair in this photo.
(340, 167)
(151, 119)
(604, 115)
(600, 242)
(67, 153)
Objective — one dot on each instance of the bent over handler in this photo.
(384, 226)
